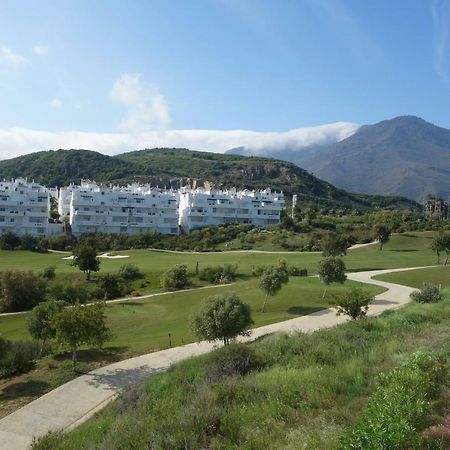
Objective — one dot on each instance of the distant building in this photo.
(133, 209)
(200, 208)
(436, 209)
(24, 208)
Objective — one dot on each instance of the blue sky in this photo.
(113, 75)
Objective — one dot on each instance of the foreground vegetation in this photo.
(286, 392)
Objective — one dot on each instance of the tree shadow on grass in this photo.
(24, 389)
(306, 310)
(404, 250)
(127, 303)
(108, 354)
(117, 379)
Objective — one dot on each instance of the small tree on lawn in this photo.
(175, 278)
(331, 270)
(40, 323)
(85, 258)
(334, 244)
(382, 234)
(81, 325)
(441, 243)
(353, 303)
(222, 317)
(271, 282)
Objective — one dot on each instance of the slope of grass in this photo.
(296, 392)
(414, 278)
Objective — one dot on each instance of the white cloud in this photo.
(440, 16)
(10, 57)
(40, 50)
(147, 108)
(55, 103)
(19, 141)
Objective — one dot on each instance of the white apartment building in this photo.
(24, 208)
(200, 208)
(132, 209)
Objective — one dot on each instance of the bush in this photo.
(110, 285)
(48, 273)
(17, 357)
(219, 274)
(429, 293)
(354, 303)
(257, 271)
(235, 359)
(20, 291)
(70, 293)
(399, 407)
(175, 278)
(297, 271)
(130, 272)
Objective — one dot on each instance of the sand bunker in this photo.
(104, 255)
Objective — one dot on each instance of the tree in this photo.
(40, 323)
(49, 273)
(71, 293)
(271, 282)
(20, 291)
(441, 243)
(175, 278)
(334, 244)
(382, 234)
(354, 303)
(331, 270)
(81, 325)
(110, 284)
(85, 258)
(222, 317)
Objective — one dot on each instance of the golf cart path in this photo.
(74, 402)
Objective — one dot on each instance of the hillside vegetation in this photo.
(176, 167)
(286, 392)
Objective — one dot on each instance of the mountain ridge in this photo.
(171, 167)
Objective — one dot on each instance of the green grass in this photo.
(414, 278)
(407, 250)
(301, 392)
(143, 325)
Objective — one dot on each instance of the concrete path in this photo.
(72, 403)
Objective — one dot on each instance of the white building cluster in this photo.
(25, 208)
(132, 209)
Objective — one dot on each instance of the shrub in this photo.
(17, 357)
(175, 278)
(354, 303)
(429, 293)
(110, 285)
(48, 273)
(235, 359)
(130, 272)
(71, 293)
(297, 271)
(218, 274)
(20, 291)
(257, 271)
(399, 407)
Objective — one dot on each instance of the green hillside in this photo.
(176, 167)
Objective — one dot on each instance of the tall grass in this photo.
(303, 391)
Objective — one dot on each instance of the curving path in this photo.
(72, 403)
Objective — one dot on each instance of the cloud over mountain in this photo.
(18, 141)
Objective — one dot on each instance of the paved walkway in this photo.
(72, 403)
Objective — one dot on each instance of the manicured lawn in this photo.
(414, 278)
(407, 250)
(144, 325)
